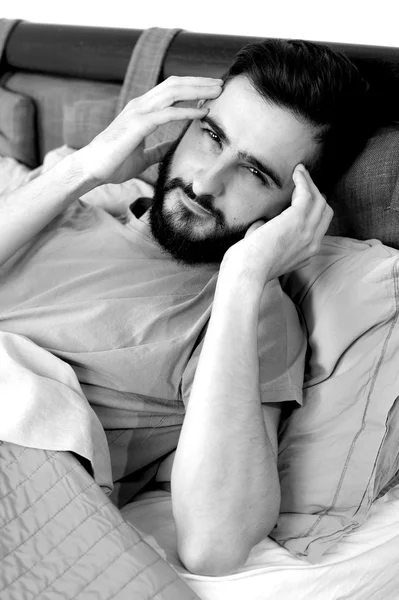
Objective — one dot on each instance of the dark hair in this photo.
(319, 86)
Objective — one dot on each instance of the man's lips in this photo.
(192, 205)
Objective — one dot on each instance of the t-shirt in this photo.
(100, 293)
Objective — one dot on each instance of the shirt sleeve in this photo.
(282, 349)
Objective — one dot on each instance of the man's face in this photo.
(227, 171)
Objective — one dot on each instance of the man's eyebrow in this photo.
(242, 155)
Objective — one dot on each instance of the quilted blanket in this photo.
(60, 535)
(62, 538)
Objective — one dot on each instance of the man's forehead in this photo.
(261, 129)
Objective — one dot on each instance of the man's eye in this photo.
(214, 137)
(258, 175)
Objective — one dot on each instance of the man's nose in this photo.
(209, 180)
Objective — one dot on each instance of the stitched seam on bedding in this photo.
(15, 459)
(103, 569)
(37, 499)
(48, 521)
(165, 585)
(59, 542)
(29, 476)
(356, 437)
(136, 574)
(51, 584)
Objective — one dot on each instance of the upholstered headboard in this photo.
(63, 84)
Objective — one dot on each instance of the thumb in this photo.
(254, 227)
(156, 153)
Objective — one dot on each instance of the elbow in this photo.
(219, 556)
(216, 561)
(216, 552)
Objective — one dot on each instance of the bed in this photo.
(62, 537)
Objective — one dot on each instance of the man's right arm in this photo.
(115, 155)
(28, 209)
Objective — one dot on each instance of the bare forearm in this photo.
(28, 209)
(225, 488)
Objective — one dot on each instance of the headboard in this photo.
(68, 80)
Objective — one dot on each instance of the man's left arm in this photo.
(225, 487)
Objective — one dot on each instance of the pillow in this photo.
(329, 448)
(85, 119)
(17, 127)
(366, 198)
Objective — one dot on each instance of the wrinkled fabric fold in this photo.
(42, 406)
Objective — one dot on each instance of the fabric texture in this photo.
(6, 27)
(143, 73)
(145, 66)
(366, 198)
(61, 537)
(85, 119)
(13, 174)
(115, 199)
(361, 566)
(328, 450)
(43, 406)
(52, 97)
(17, 127)
(102, 296)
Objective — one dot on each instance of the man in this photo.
(184, 304)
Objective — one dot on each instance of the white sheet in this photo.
(363, 566)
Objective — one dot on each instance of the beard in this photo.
(180, 232)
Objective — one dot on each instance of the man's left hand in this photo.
(288, 241)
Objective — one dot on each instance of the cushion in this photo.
(366, 198)
(85, 119)
(17, 127)
(329, 448)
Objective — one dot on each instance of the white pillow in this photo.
(329, 448)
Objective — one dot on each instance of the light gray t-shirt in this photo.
(100, 294)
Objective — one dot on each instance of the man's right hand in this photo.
(118, 153)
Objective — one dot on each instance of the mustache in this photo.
(205, 200)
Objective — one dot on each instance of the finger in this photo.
(307, 196)
(169, 96)
(324, 222)
(190, 80)
(311, 184)
(175, 113)
(302, 194)
(156, 153)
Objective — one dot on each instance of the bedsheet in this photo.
(362, 566)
